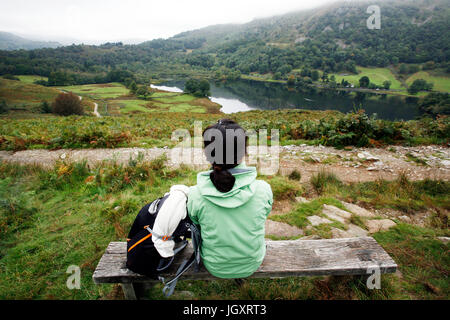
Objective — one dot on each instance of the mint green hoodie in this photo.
(232, 224)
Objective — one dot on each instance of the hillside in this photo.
(333, 38)
(9, 41)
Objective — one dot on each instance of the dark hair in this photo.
(222, 179)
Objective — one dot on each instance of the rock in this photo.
(338, 233)
(316, 220)
(444, 239)
(356, 231)
(311, 237)
(367, 156)
(446, 163)
(353, 231)
(373, 169)
(405, 219)
(327, 209)
(301, 200)
(184, 294)
(281, 229)
(379, 225)
(357, 210)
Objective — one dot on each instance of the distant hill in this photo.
(9, 41)
(330, 39)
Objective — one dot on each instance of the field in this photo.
(31, 79)
(119, 100)
(25, 95)
(376, 75)
(77, 210)
(99, 91)
(441, 84)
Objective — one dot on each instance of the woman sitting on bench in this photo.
(230, 205)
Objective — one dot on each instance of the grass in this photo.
(441, 84)
(324, 180)
(130, 106)
(99, 91)
(376, 75)
(31, 79)
(74, 211)
(401, 194)
(25, 95)
(298, 216)
(283, 188)
(77, 210)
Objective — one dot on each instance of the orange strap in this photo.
(140, 241)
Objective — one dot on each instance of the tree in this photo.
(435, 103)
(143, 91)
(277, 76)
(325, 77)
(291, 80)
(315, 75)
(67, 104)
(364, 82)
(45, 107)
(199, 88)
(403, 69)
(387, 84)
(419, 85)
(3, 106)
(133, 87)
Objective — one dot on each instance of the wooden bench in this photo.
(337, 257)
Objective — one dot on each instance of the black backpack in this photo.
(142, 256)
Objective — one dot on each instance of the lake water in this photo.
(245, 95)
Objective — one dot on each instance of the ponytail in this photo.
(222, 179)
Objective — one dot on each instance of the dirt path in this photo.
(356, 165)
(96, 110)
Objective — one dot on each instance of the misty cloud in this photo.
(112, 20)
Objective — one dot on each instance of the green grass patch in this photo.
(376, 76)
(67, 216)
(99, 91)
(130, 106)
(298, 216)
(440, 83)
(282, 187)
(422, 260)
(325, 182)
(31, 79)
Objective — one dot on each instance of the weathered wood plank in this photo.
(351, 256)
(128, 291)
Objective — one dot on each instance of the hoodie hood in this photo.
(243, 189)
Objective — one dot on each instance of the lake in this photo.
(245, 95)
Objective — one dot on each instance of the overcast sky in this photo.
(94, 21)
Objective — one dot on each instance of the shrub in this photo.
(323, 180)
(10, 77)
(3, 106)
(67, 104)
(45, 107)
(199, 88)
(295, 175)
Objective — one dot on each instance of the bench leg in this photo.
(128, 291)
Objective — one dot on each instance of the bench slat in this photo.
(351, 256)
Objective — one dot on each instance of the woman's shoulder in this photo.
(264, 187)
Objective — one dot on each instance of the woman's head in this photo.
(225, 147)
